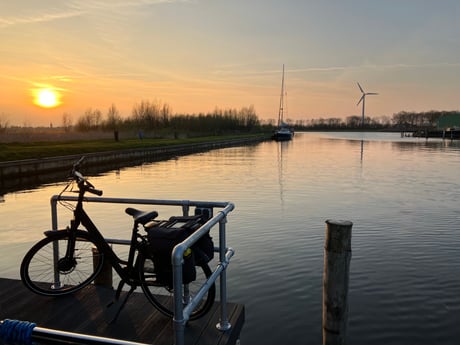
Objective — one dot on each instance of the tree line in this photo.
(403, 120)
(151, 116)
(157, 116)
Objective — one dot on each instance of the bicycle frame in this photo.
(123, 268)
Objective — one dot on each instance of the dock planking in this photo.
(86, 312)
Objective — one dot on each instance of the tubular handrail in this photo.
(181, 314)
(53, 336)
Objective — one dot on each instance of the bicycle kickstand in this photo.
(117, 293)
(125, 299)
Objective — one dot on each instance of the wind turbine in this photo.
(363, 99)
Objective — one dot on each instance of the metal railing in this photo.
(181, 314)
(24, 332)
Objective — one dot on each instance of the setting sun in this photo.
(47, 98)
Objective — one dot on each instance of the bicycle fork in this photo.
(66, 263)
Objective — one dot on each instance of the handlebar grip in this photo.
(98, 192)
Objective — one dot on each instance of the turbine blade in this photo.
(372, 93)
(360, 88)
(362, 97)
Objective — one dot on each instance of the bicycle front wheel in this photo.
(47, 272)
(162, 296)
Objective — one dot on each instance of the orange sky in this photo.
(201, 54)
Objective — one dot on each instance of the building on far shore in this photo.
(449, 121)
(447, 127)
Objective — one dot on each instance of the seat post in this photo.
(132, 246)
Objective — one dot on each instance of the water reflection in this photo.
(282, 146)
(396, 141)
(9, 185)
(401, 144)
(404, 207)
(29, 182)
(427, 145)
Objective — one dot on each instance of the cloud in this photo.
(85, 5)
(78, 8)
(376, 67)
(43, 17)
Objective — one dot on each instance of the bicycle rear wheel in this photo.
(162, 297)
(46, 271)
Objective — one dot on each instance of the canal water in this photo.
(402, 195)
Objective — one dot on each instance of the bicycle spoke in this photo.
(38, 266)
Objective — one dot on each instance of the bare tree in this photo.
(3, 123)
(66, 121)
(114, 119)
(91, 119)
(353, 121)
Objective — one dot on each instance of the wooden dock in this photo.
(437, 133)
(86, 312)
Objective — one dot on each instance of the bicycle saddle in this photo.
(141, 217)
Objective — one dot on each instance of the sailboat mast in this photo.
(281, 109)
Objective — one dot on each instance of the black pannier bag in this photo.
(165, 235)
(162, 240)
(203, 249)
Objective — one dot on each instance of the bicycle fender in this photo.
(49, 233)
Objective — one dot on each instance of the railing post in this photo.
(178, 319)
(185, 208)
(337, 257)
(54, 226)
(223, 324)
(54, 222)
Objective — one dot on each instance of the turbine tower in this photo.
(363, 99)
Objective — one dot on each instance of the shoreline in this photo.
(27, 173)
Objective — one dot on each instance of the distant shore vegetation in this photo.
(156, 120)
(402, 121)
(151, 116)
(148, 120)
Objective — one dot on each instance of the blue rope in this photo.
(16, 332)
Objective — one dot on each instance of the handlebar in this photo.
(98, 192)
(83, 184)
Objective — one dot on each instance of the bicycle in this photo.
(65, 260)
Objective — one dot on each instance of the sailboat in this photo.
(283, 132)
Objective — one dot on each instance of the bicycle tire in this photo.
(161, 296)
(37, 267)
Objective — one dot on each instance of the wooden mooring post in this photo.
(104, 278)
(337, 257)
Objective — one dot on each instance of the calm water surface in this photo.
(401, 194)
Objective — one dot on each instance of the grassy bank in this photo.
(30, 150)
